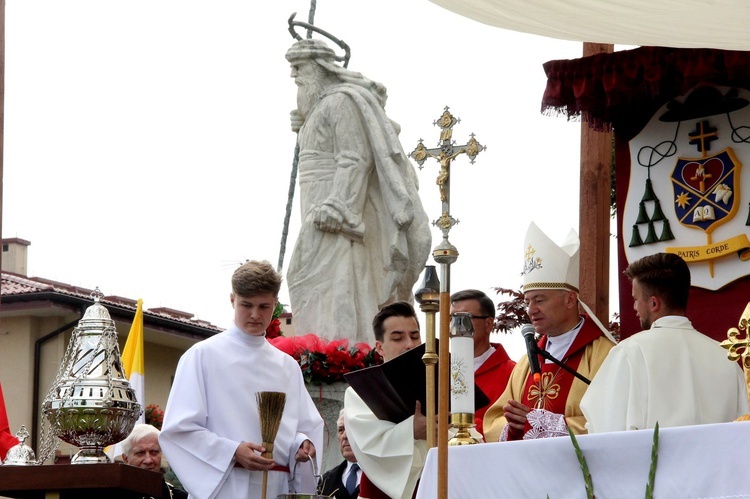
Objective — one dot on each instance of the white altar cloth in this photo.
(694, 462)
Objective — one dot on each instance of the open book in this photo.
(392, 389)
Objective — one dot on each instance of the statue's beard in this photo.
(308, 94)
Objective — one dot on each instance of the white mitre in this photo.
(549, 266)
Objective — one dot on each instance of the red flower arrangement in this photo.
(274, 328)
(154, 416)
(324, 361)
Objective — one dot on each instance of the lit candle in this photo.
(462, 363)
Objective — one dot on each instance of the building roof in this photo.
(18, 291)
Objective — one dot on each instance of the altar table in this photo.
(700, 462)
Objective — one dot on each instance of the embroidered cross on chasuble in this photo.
(553, 391)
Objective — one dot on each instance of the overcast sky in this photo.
(148, 149)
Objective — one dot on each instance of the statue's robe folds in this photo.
(351, 161)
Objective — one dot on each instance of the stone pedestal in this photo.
(329, 399)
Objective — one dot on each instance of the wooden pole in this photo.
(594, 220)
(443, 381)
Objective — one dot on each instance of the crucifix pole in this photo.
(444, 254)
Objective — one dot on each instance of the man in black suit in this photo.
(342, 482)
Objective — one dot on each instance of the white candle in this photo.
(462, 375)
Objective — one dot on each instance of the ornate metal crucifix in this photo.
(445, 154)
(444, 254)
(740, 347)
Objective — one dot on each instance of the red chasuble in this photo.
(368, 490)
(492, 378)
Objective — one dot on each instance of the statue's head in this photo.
(310, 49)
(315, 66)
(313, 69)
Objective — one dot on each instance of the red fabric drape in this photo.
(606, 89)
(7, 440)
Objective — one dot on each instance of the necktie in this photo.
(351, 480)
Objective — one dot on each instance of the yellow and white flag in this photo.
(132, 360)
(133, 365)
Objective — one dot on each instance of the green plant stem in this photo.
(584, 466)
(654, 459)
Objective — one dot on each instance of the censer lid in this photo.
(20, 454)
(96, 311)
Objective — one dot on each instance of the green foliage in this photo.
(584, 466)
(654, 459)
(587, 475)
(278, 310)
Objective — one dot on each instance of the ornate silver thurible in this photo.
(91, 404)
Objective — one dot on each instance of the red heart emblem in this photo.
(701, 176)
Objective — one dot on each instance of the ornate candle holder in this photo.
(462, 378)
(428, 297)
(91, 404)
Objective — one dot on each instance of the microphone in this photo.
(528, 332)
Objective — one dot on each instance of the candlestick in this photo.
(462, 378)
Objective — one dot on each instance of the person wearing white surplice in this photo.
(211, 433)
(391, 455)
(669, 373)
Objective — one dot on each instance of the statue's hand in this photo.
(405, 216)
(328, 219)
(297, 120)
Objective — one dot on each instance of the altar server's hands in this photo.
(248, 456)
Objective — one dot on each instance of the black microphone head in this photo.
(528, 329)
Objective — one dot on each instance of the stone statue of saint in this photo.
(365, 236)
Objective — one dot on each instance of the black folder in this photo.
(392, 389)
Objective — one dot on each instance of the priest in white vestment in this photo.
(669, 373)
